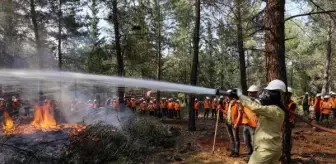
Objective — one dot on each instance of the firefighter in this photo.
(164, 107)
(233, 113)
(151, 108)
(306, 103)
(249, 120)
(196, 108)
(271, 111)
(222, 102)
(143, 108)
(115, 104)
(214, 108)
(207, 106)
(291, 107)
(333, 100)
(133, 104)
(326, 107)
(170, 107)
(317, 107)
(178, 108)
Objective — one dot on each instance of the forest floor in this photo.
(309, 146)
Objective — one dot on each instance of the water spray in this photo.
(11, 75)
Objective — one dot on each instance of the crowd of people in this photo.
(324, 106)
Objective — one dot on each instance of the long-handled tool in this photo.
(214, 141)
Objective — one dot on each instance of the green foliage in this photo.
(132, 143)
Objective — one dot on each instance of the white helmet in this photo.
(318, 95)
(144, 102)
(306, 93)
(221, 97)
(215, 99)
(277, 85)
(327, 96)
(228, 91)
(289, 90)
(207, 97)
(195, 99)
(253, 88)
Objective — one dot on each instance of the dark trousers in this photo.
(27, 111)
(248, 134)
(206, 113)
(178, 113)
(170, 113)
(213, 113)
(305, 110)
(234, 138)
(164, 112)
(143, 112)
(324, 116)
(133, 109)
(151, 113)
(317, 116)
(196, 114)
(334, 112)
(221, 116)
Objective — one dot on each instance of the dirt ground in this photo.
(309, 146)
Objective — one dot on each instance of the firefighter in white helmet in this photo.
(267, 139)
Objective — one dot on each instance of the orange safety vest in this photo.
(196, 105)
(207, 104)
(170, 105)
(234, 111)
(143, 106)
(151, 107)
(326, 107)
(317, 104)
(129, 103)
(177, 106)
(214, 104)
(134, 103)
(249, 118)
(333, 102)
(291, 107)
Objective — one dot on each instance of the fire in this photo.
(44, 117)
(8, 124)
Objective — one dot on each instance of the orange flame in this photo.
(43, 117)
(8, 124)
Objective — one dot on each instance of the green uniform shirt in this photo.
(268, 131)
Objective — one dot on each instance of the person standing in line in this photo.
(233, 112)
(317, 107)
(249, 120)
(214, 108)
(196, 107)
(306, 104)
(207, 106)
(326, 107)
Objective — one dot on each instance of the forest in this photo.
(217, 44)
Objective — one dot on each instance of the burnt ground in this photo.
(309, 146)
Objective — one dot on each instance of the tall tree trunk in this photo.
(241, 52)
(59, 35)
(158, 67)
(36, 34)
(9, 29)
(120, 60)
(275, 59)
(193, 77)
(327, 64)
